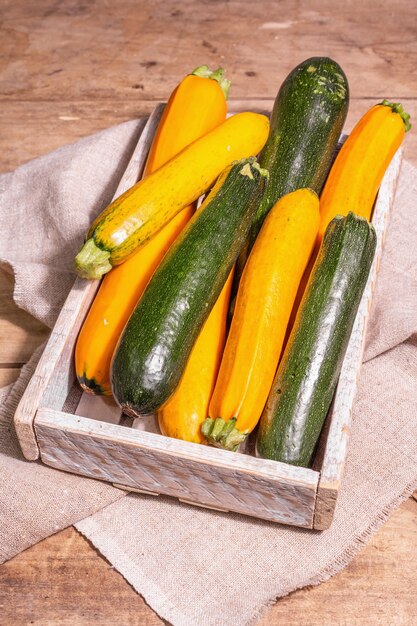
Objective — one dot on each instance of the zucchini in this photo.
(359, 168)
(157, 340)
(307, 119)
(263, 307)
(307, 375)
(139, 213)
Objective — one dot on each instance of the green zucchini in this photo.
(158, 338)
(307, 119)
(306, 378)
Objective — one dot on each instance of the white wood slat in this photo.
(193, 472)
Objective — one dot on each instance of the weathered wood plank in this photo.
(63, 580)
(378, 587)
(195, 473)
(65, 121)
(102, 408)
(129, 53)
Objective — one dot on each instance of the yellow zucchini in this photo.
(183, 414)
(359, 167)
(144, 209)
(264, 301)
(196, 106)
(356, 174)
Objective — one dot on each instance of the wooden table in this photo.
(74, 67)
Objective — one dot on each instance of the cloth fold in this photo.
(198, 567)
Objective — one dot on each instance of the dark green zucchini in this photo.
(157, 340)
(306, 378)
(307, 119)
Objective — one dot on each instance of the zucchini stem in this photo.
(204, 72)
(397, 107)
(91, 262)
(223, 434)
(250, 163)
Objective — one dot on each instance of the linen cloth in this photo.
(198, 567)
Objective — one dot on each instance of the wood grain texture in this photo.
(63, 122)
(103, 408)
(96, 49)
(63, 580)
(195, 473)
(72, 68)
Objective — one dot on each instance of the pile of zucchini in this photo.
(239, 312)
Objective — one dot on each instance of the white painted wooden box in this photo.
(87, 435)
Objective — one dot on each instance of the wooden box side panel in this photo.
(340, 419)
(54, 374)
(197, 474)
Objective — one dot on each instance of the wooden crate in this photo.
(88, 435)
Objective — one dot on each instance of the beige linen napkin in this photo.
(45, 209)
(197, 567)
